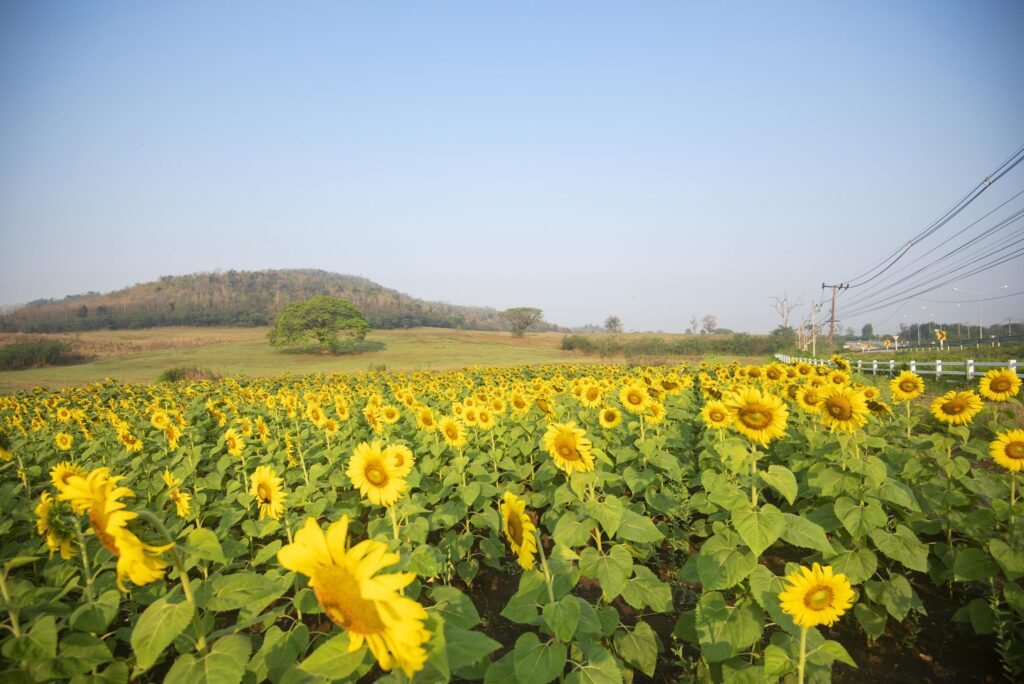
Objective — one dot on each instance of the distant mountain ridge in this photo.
(240, 299)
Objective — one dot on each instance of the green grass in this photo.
(246, 352)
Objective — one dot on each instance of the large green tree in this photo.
(335, 323)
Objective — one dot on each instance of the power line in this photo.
(970, 301)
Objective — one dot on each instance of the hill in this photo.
(239, 299)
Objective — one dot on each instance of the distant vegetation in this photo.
(187, 374)
(37, 354)
(334, 323)
(240, 299)
(634, 346)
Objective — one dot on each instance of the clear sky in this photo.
(651, 160)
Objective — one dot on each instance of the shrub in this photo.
(36, 353)
(187, 374)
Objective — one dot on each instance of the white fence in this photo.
(968, 369)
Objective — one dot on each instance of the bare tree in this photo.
(521, 318)
(708, 324)
(694, 325)
(784, 307)
(613, 324)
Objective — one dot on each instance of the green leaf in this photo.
(96, 616)
(40, 643)
(608, 513)
(456, 608)
(903, 546)
(245, 591)
(203, 543)
(972, 564)
(802, 532)
(611, 570)
(224, 663)
(522, 607)
(638, 528)
(537, 662)
(645, 589)
(895, 594)
(426, 561)
(562, 617)
(872, 619)
(279, 652)
(723, 561)
(333, 660)
(572, 532)
(725, 630)
(501, 671)
(599, 668)
(638, 647)
(758, 527)
(1011, 560)
(858, 565)
(859, 519)
(157, 627)
(777, 662)
(782, 480)
(466, 647)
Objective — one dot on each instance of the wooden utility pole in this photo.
(832, 316)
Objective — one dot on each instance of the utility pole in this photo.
(814, 330)
(832, 316)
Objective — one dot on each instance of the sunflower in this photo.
(870, 393)
(485, 419)
(99, 495)
(804, 369)
(843, 408)
(355, 597)
(609, 417)
(956, 408)
(520, 403)
(314, 413)
(760, 417)
(425, 419)
(839, 377)
(879, 408)
(453, 431)
(1008, 450)
(262, 430)
(716, 415)
(130, 441)
(63, 441)
(375, 475)
(634, 397)
(62, 472)
(53, 529)
(181, 502)
(234, 442)
(841, 363)
(999, 384)
(159, 420)
(389, 414)
(655, 414)
(816, 596)
(267, 488)
(518, 529)
(401, 458)
(569, 447)
(591, 396)
(906, 386)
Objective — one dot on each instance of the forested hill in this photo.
(239, 298)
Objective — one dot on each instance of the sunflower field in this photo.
(572, 523)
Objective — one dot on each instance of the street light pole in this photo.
(981, 329)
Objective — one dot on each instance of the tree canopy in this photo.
(335, 323)
(521, 318)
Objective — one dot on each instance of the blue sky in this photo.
(652, 160)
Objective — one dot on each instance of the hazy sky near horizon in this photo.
(653, 160)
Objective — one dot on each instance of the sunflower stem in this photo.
(1013, 501)
(803, 655)
(12, 612)
(394, 520)
(753, 477)
(85, 560)
(186, 585)
(544, 567)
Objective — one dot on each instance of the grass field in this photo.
(139, 356)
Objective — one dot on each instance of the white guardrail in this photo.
(968, 369)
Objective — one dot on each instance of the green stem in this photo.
(753, 478)
(186, 584)
(85, 561)
(12, 612)
(544, 567)
(394, 520)
(1013, 502)
(803, 655)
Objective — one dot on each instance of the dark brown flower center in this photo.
(755, 417)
